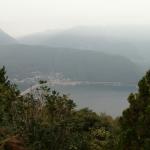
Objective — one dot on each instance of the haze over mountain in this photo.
(128, 41)
(71, 63)
(83, 54)
(6, 38)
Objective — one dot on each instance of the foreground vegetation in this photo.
(46, 120)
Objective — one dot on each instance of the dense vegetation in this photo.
(46, 120)
(135, 122)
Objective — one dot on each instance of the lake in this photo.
(101, 98)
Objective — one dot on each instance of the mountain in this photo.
(74, 64)
(129, 41)
(6, 39)
(100, 38)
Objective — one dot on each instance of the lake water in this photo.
(101, 98)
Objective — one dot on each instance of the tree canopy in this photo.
(47, 120)
(135, 122)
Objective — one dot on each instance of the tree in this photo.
(45, 119)
(135, 121)
(8, 95)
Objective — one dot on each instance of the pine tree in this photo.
(8, 94)
(135, 122)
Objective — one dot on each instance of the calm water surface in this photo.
(100, 98)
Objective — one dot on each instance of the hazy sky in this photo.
(21, 17)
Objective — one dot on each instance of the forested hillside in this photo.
(71, 63)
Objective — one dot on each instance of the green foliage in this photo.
(8, 95)
(47, 120)
(135, 122)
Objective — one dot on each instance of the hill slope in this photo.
(6, 39)
(129, 41)
(72, 63)
(101, 39)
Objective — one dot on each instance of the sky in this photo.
(22, 17)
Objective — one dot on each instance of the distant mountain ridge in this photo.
(127, 41)
(6, 38)
(74, 64)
